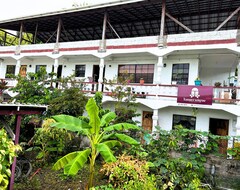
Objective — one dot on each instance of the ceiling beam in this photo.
(227, 19)
(179, 23)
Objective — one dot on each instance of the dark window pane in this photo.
(38, 67)
(137, 71)
(180, 73)
(80, 71)
(10, 70)
(188, 122)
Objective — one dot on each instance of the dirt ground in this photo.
(47, 179)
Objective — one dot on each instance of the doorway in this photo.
(23, 71)
(220, 127)
(95, 76)
(147, 121)
(147, 124)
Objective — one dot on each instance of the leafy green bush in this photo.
(49, 142)
(70, 102)
(178, 162)
(129, 173)
(7, 153)
(235, 151)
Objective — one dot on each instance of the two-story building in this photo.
(167, 43)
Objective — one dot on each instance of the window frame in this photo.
(137, 71)
(13, 71)
(184, 118)
(180, 73)
(81, 73)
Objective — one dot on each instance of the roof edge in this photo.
(72, 10)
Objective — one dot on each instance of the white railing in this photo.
(225, 95)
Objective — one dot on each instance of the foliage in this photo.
(129, 173)
(70, 102)
(125, 108)
(235, 151)
(10, 39)
(7, 153)
(179, 163)
(49, 142)
(35, 88)
(102, 136)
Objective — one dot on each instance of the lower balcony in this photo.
(222, 95)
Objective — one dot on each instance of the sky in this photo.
(18, 8)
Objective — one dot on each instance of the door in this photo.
(147, 121)
(147, 124)
(220, 127)
(23, 71)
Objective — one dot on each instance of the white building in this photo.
(167, 43)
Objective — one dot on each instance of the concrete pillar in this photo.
(238, 126)
(2, 73)
(101, 69)
(155, 119)
(159, 69)
(55, 67)
(238, 80)
(18, 65)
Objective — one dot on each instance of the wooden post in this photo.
(17, 134)
(102, 46)
(56, 47)
(161, 37)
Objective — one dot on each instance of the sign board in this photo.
(190, 94)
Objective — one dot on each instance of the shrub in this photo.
(7, 153)
(129, 173)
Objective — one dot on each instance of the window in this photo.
(10, 70)
(188, 122)
(80, 70)
(135, 72)
(180, 73)
(38, 67)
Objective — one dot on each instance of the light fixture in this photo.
(30, 66)
(164, 65)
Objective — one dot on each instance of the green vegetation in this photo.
(102, 136)
(129, 173)
(7, 153)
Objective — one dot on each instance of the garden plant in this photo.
(103, 136)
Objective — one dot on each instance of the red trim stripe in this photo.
(200, 42)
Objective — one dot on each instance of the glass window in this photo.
(80, 70)
(38, 67)
(180, 73)
(188, 122)
(10, 70)
(135, 72)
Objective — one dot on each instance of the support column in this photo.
(162, 27)
(238, 126)
(238, 80)
(159, 69)
(155, 120)
(55, 67)
(18, 48)
(17, 134)
(56, 46)
(102, 45)
(18, 65)
(101, 69)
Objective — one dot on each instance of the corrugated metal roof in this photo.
(133, 19)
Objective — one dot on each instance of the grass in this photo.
(46, 178)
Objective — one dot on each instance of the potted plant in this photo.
(198, 82)
(217, 84)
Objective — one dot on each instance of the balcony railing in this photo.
(224, 95)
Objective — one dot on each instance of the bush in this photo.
(129, 173)
(7, 153)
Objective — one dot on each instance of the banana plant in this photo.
(102, 136)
